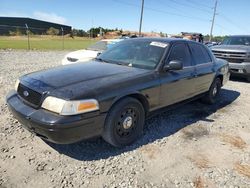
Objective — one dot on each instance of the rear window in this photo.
(200, 54)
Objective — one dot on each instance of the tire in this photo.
(213, 93)
(248, 79)
(124, 122)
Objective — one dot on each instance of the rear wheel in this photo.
(213, 93)
(124, 123)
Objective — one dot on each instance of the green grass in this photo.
(44, 43)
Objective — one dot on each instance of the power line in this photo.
(191, 6)
(224, 28)
(199, 4)
(169, 6)
(234, 23)
(178, 9)
(161, 11)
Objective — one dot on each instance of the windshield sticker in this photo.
(159, 44)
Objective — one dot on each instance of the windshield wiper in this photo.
(123, 64)
(113, 62)
(101, 60)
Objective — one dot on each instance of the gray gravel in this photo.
(192, 146)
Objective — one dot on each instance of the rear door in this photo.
(204, 67)
(177, 85)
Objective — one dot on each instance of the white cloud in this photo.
(50, 17)
(13, 14)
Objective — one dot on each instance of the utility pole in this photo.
(142, 7)
(28, 34)
(212, 26)
(92, 29)
(62, 38)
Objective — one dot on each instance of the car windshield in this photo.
(145, 54)
(99, 46)
(102, 45)
(236, 41)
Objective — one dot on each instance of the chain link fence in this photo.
(29, 37)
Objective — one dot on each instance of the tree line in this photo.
(92, 32)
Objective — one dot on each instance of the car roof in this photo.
(112, 40)
(166, 40)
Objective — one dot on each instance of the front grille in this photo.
(234, 57)
(233, 60)
(29, 95)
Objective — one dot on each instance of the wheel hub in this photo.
(127, 123)
(214, 91)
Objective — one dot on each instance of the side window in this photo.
(201, 55)
(181, 53)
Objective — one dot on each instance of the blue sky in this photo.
(168, 16)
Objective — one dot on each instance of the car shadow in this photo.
(157, 127)
(238, 79)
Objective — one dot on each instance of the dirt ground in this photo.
(194, 145)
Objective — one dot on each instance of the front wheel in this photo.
(124, 122)
(213, 93)
(248, 79)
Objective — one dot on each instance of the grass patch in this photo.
(199, 182)
(200, 161)
(242, 169)
(45, 42)
(234, 141)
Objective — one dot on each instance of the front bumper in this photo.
(53, 127)
(240, 69)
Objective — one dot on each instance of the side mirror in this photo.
(173, 65)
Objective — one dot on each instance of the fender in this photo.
(135, 94)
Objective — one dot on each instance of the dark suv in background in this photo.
(236, 50)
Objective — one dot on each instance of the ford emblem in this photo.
(26, 93)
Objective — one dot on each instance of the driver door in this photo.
(178, 85)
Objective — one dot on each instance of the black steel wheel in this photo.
(124, 122)
(213, 92)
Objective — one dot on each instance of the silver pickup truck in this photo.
(236, 50)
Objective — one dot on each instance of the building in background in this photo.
(39, 27)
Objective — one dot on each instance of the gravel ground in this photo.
(191, 146)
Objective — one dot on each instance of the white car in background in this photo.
(89, 53)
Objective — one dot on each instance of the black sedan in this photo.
(112, 95)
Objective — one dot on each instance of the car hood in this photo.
(83, 54)
(81, 76)
(232, 48)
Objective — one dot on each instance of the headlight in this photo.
(64, 107)
(17, 84)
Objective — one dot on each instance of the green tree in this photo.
(17, 32)
(52, 31)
